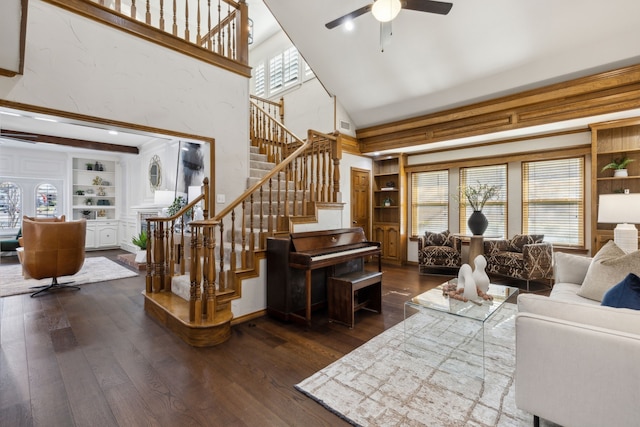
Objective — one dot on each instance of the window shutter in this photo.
(258, 80)
(496, 209)
(275, 73)
(553, 200)
(290, 66)
(429, 202)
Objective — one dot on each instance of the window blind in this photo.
(429, 202)
(496, 209)
(553, 200)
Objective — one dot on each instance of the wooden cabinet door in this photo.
(392, 238)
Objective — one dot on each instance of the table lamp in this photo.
(624, 210)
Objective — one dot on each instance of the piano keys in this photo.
(299, 266)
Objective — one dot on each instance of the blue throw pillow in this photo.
(625, 294)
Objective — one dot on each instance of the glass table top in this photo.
(479, 309)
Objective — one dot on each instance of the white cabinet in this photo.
(101, 234)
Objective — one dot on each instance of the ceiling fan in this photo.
(386, 10)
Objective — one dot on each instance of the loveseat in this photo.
(437, 250)
(525, 257)
(576, 360)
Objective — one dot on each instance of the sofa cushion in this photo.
(609, 267)
(519, 240)
(625, 294)
(437, 239)
(619, 319)
(570, 268)
(568, 292)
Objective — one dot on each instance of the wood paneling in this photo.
(607, 92)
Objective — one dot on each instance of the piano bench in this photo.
(352, 292)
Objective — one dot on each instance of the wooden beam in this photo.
(70, 142)
(607, 92)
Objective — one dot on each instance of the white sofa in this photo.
(577, 363)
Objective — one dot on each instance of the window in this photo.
(10, 206)
(429, 202)
(283, 69)
(553, 200)
(46, 201)
(258, 80)
(496, 209)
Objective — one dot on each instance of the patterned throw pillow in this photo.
(519, 240)
(437, 239)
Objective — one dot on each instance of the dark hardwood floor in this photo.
(93, 358)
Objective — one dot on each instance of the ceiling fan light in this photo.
(386, 10)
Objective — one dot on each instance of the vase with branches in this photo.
(477, 196)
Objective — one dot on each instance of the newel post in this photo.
(242, 33)
(336, 155)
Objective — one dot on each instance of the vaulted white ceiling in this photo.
(481, 50)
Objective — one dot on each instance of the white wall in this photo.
(75, 65)
(307, 104)
(10, 23)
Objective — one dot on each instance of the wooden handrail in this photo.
(147, 20)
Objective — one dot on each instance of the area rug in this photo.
(390, 382)
(95, 269)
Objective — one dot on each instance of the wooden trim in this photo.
(23, 38)
(607, 92)
(124, 125)
(349, 144)
(501, 141)
(72, 142)
(105, 16)
(581, 150)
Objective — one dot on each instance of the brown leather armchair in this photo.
(52, 249)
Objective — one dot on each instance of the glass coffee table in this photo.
(450, 332)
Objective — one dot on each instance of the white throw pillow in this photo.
(570, 268)
(609, 267)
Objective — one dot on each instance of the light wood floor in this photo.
(93, 358)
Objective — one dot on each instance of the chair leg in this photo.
(52, 287)
(536, 421)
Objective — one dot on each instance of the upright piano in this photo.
(299, 265)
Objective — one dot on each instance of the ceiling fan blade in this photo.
(430, 6)
(348, 17)
(385, 34)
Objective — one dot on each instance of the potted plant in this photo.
(387, 202)
(619, 166)
(141, 241)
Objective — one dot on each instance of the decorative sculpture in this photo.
(467, 289)
(479, 275)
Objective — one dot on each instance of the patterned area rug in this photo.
(96, 269)
(390, 381)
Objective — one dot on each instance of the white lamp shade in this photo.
(386, 10)
(619, 208)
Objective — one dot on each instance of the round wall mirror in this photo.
(155, 173)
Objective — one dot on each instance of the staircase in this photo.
(288, 180)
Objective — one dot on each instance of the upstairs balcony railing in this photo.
(215, 31)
